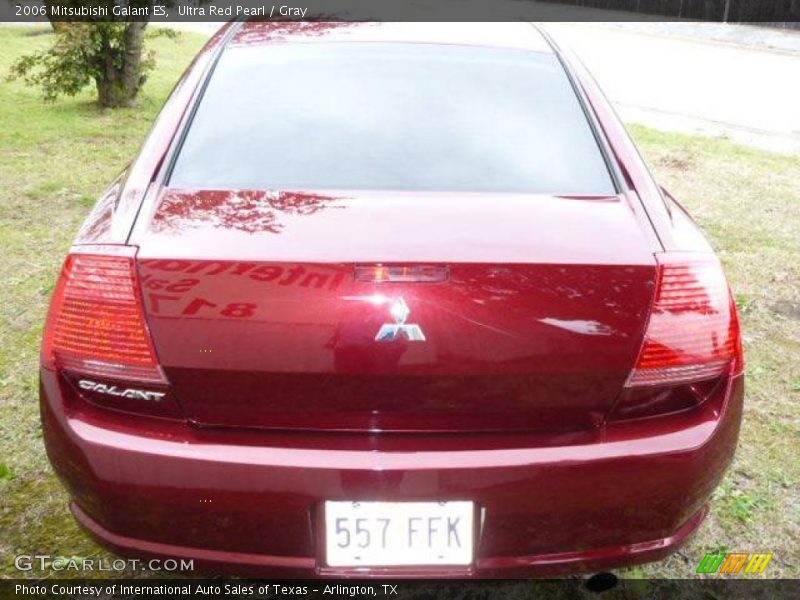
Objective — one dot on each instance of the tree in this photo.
(110, 54)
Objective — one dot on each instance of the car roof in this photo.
(513, 35)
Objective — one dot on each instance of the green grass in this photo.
(55, 159)
(748, 203)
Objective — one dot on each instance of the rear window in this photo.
(390, 117)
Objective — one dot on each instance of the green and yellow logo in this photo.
(734, 562)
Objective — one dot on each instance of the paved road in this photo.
(734, 80)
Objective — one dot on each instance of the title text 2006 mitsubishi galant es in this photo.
(390, 300)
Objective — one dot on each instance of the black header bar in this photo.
(781, 12)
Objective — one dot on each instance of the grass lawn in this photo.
(55, 159)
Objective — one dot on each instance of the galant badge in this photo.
(389, 332)
(112, 390)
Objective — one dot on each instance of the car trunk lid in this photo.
(533, 322)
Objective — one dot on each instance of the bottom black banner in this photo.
(599, 586)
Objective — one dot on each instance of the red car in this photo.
(390, 300)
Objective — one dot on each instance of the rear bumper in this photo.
(503, 566)
(632, 497)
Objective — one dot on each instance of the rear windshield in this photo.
(390, 117)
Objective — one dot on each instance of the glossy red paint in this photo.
(512, 345)
(350, 227)
(280, 397)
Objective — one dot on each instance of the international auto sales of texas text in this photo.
(211, 589)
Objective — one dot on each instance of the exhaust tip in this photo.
(601, 582)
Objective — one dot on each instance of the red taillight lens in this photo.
(692, 337)
(693, 333)
(97, 325)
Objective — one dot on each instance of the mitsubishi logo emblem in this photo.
(389, 332)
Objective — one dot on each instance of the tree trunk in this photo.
(56, 25)
(119, 85)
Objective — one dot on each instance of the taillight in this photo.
(97, 326)
(691, 342)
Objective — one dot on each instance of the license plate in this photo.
(398, 533)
